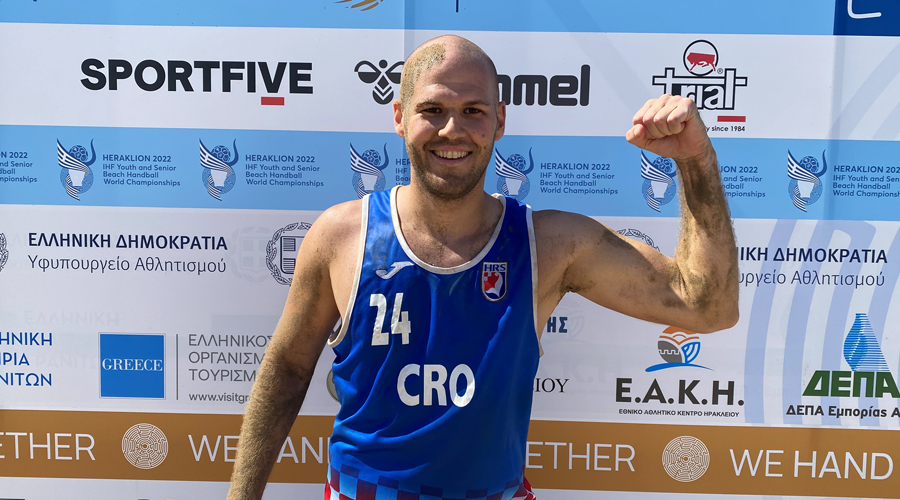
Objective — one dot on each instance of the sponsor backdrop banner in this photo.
(160, 166)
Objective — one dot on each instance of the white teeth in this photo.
(451, 155)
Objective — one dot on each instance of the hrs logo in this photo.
(432, 378)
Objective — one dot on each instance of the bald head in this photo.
(435, 52)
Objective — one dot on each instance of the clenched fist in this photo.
(670, 126)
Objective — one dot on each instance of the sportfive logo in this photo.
(208, 76)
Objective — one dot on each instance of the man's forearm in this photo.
(274, 403)
(706, 255)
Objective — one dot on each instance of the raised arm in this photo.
(287, 367)
(698, 289)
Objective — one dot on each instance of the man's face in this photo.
(450, 126)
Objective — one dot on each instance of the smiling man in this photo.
(442, 290)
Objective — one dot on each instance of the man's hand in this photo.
(671, 127)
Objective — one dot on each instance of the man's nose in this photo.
(453, 127)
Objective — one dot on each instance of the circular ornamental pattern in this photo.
(145, 446)
(685, 458)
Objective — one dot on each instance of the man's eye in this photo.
(473, 111)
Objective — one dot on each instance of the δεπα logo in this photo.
(869, 375)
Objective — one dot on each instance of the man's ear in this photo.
(501, 121)
(398, 118)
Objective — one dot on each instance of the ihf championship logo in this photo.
(805, 186)
(281, 251)
(218, 174)
(659, 181)
(76, 175)
(382, 77)
(368, 175)
(513, 174)
(677, 348)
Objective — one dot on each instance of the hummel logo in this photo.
(395, 268)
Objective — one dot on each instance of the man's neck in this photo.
(447, 233)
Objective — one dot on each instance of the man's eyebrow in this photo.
(432, 103)
(427, 104)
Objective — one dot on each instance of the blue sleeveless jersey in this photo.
(435, 367)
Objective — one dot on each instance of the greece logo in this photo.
(218, 174)
(513, 174)
(805, 185)
(368, 175)
(659, 181)
(76, 175)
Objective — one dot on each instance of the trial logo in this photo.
(805, 186)
(368, 175)
(710, 85)
(132, 366)
(383, 77)
(513, 173)
(218, 174)
(281, 251)
(659, 181)
(76, 175)
(493, 280)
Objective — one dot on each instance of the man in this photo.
(443, 290)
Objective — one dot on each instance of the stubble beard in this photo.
(441, 189)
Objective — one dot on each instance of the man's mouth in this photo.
(451, 155)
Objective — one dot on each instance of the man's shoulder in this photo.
(551, 225)
(337, 227)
